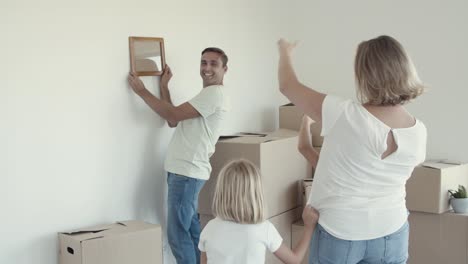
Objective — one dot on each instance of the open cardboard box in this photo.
(119, 243)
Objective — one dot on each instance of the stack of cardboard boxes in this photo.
(291, 118)
(282, 168)
(437, 235)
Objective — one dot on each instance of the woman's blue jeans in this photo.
(183, 224)
(327, 249)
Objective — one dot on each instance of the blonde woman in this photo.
(370, 150)
(240, 233)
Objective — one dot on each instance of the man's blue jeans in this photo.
(183, 224)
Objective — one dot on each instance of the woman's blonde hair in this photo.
(238, 195)
(385, 74)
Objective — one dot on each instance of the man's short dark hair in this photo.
(224, 57)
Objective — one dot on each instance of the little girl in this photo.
(240, 233)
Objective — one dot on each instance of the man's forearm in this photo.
(165, 94)
(161, 107)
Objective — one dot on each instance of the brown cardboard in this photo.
(427, 188)
(290, 117)
(280, 163)
(119, 243)
(297, 229)
(438, 238)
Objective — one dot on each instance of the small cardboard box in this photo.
(281, 167)
(290, 117)
(427, 188)
(306, 187)
(124, 242)
(438, 238)
(297, 229)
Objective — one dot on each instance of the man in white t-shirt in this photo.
(198, 123)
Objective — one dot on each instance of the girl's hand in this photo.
(310, 216)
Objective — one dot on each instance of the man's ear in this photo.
(225, 69)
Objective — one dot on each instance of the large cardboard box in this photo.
(290, 117)
(297, 229)
(427, 189)
(281, 167)
(125, 242)
(438, 238)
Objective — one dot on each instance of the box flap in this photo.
(258, 138)
(440, 164)
(246, 140)
(243, 134)
(283, 133)
(93, 229)
(136, 225)
(94, 232)
(85, 235)
(120, 227)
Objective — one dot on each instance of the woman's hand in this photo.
(286, 47)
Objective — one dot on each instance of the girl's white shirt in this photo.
(227, 242)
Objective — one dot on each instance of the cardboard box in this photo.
(125, 242)
(427, 188)
(297, 229)
(281, 167)
(290, 117)
(438, 238)
(306, 187)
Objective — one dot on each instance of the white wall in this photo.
(79, 148)
(433, 32)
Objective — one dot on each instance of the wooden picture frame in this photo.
(147, 57)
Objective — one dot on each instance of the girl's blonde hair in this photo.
(238, 195)
(385, 74)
